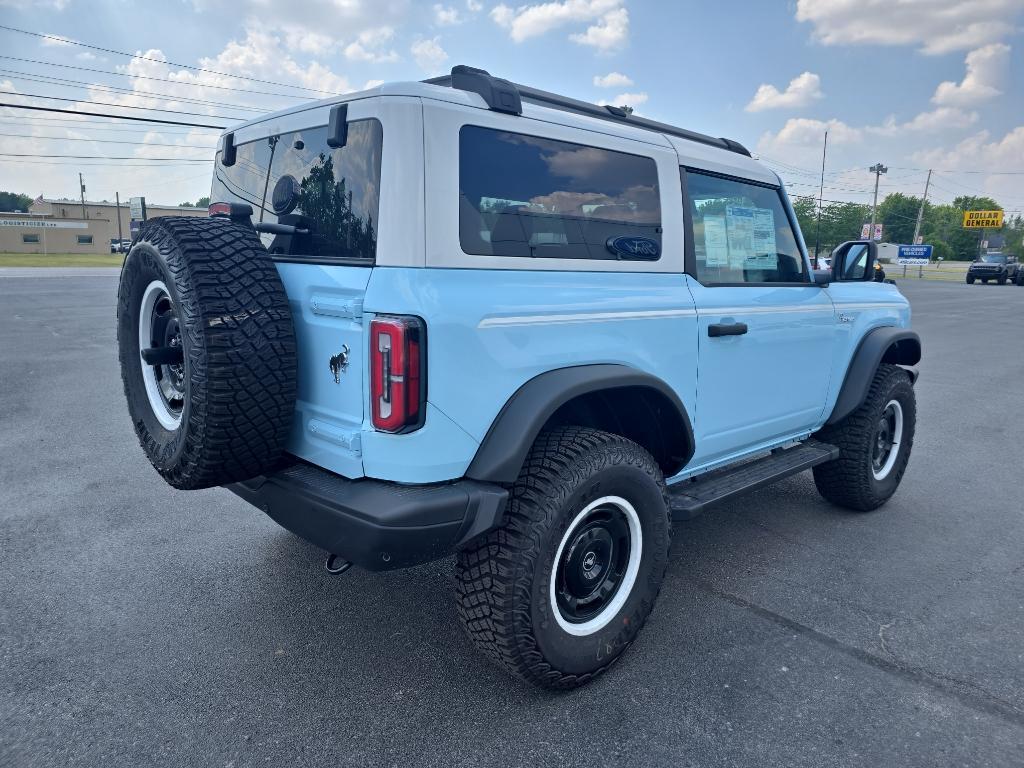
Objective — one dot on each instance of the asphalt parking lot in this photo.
(144, 626)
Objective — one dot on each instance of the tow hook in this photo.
(336, 565)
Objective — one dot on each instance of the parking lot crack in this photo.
(968, 693)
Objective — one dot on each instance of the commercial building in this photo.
(68, 226)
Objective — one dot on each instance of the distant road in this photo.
(59, 272)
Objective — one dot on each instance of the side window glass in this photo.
(331, 195)
(524, 195)
(741, 233)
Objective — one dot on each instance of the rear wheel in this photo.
(874, 444)
(1001, 279)
(560, 591)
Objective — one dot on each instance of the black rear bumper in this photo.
(375, 524)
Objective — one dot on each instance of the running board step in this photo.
(690, 497)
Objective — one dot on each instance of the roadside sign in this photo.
(917, 255)
(983, 219)
(137, 208)
(865, 231)
(878, 232)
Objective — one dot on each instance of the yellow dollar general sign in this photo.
(983, 219)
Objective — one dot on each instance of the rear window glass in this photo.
(523, 195)
(295, 178)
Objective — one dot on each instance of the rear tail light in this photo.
(398, 382)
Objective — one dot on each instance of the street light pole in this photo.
(878, 169)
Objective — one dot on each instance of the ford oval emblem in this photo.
(631, 247)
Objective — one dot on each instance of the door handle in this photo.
(727, 329)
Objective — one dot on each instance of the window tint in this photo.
(295, 178)
(85, 239)
(527, 196)
(30, 238)
(741, 233)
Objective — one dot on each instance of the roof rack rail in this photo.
(504, 96)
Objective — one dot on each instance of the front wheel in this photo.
(970, 279)
(1001, 280)
(558, 593)
(874, 444)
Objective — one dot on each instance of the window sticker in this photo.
(716, 243)
(739, 224)
(764, 240)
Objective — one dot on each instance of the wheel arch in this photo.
(610, 397)
(898, 346)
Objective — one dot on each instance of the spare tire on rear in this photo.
(207, 351)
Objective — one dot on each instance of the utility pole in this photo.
(878, 169)
(120, 237)
(81, 185)
(821, 191)
(920, 211)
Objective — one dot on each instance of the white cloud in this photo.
(804, 132)
(429, 55)
(937, 26)
(528, 21)
(626, 100)
(474, 5)
(980, 152)
(372, 84)
(298, 39)
(446, 15)
(987, 68)
(371, 45)
(801, 91)
(935, 121)
(612, 80)
(340, 19)
(608, 34)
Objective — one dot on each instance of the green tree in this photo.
(898, 214)
(13, 201)
(203, 202)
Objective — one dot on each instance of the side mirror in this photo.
(854, 261)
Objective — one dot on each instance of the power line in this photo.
(158, 79)
(85, 125)
(66, 83)
(107, 141)
(126, 106)
(117, 117)
(104, 164)
(162, 61)
(105, 157)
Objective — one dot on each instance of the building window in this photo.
(85, 239)
(30, 238)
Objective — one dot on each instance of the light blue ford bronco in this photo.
(470, 317)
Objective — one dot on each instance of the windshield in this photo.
(994, 258)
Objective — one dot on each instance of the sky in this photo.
(912, 84)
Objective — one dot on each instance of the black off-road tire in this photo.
(238, 380)
(1019, 279)
(849, 480)
(970, 279)
(1001, 279)
(504, 581)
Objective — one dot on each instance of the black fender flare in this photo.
(881, 345)
(503, 451)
